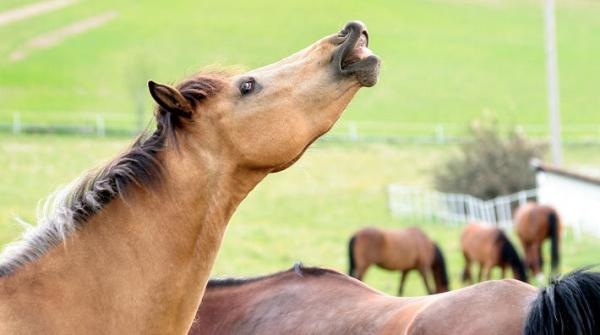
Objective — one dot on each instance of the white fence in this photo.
(454, 208)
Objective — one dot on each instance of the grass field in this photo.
(306, 213)
(445, 61)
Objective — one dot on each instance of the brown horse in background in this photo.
(534, 224)
(128, 248)
(490, 247)
(303, 301)
(398, 249)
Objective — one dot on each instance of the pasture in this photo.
(445, 61)
(305, 213)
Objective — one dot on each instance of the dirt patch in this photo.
(28, 11)
(55, 37)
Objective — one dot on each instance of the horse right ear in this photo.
(170, 99)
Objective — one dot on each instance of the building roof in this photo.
(549, 168)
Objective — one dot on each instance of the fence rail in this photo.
(454, 208)
(350, 131)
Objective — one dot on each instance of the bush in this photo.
(489, 165)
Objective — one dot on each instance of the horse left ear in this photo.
(170, 99)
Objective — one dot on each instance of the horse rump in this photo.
(569, 305)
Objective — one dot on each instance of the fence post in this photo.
(100, 129)
(353, 131)
(17, 126)
(522, 198)
(440, 135)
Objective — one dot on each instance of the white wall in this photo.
(577, 201)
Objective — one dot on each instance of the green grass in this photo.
(444, 61)
(306, 213)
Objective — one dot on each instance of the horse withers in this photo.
(398, 249)
(128, 248)
(320, 301)
(489, 246)
(534, 224)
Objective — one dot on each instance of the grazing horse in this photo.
(490, 247)
(128, 248)
(533, 224)
(320, 301)
(398, 249)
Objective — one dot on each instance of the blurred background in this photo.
(73, 77)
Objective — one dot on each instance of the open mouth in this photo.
(355, 58)
(360, 51)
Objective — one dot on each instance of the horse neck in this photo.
(142, 262)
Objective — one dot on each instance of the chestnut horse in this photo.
(490, 247)
(533, 224)
(319, 301)
(398, 249)
(128, 248)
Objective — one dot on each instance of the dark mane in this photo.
(298, 269)
(69, 208)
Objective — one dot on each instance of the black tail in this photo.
(569, 305)
(553, 231)
(509, 255)
(439, 271)
(351, 256)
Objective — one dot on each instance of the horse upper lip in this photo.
(357, 38)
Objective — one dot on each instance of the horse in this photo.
(321, 301)
(398, 249)
(490, 247)
(128, 248)
(535, 223)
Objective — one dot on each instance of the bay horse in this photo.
(488, 246)
(128, 248)
(398, 249)
(534, 224)
(320, 301)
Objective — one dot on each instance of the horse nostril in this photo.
(355, 26)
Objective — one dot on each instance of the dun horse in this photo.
(398, 249)
(129, 247)
(534, 224)
(490, 247)
(319, 301)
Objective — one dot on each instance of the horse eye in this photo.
(247, 86)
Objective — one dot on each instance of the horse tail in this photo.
(509, 255)
(439, 270)
(569, 305)
(554, 232)
(351, 260)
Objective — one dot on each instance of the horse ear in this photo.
(170, 99)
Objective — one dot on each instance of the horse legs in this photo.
(403, 275)
(466, 278)
(503, 273)
(425, 274)
(487, 272)
(480, 272)
(359, 272)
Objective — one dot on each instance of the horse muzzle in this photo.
(354, 58)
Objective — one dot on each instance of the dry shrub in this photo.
(490, 165)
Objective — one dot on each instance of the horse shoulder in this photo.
(497, 307)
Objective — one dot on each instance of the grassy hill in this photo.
(445, 62)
